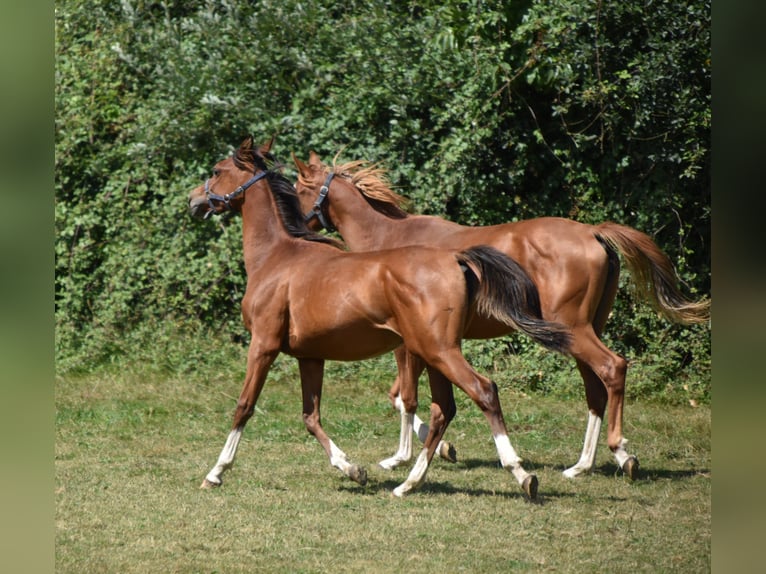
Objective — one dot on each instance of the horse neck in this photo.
(360, 225)
(262, 230)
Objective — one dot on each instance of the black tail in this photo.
(506, 292)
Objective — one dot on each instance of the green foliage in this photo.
(483, 112)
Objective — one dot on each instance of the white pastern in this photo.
(404, 454)
(590, 444)
(339, 459)
(417, 475)
(226, 458)
(421, 429)
(621, 454)
(508, 456)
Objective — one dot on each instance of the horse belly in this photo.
(351, 343)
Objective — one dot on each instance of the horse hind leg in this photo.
(312, 373)
(403, 396)
(484, 393)
(443, 410)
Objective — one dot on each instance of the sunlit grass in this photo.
(131, 451)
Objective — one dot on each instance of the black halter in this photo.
(317, 211)
(212, 198)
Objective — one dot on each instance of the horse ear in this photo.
(314, 159)
(266, 148)
(303, 169)
(247, 144)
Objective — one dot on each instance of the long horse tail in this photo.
(653, 274)
(504, 291)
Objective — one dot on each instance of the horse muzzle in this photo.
(199, 206)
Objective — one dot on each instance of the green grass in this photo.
(131, 451)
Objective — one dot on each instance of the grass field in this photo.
(131, 452)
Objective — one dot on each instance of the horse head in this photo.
(311, 180)
(225, 190)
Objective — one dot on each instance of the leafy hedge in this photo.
(482, 111)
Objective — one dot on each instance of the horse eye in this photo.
(216, 172)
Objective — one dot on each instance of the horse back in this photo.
(567, 262)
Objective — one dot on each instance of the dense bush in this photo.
(482, 111)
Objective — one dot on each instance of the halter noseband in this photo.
(226, 199)
(316, 211)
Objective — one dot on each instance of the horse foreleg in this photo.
(404, 454)
(258, 365)
(587, 458)
(225, 459)
(312, 373)
(409, 368)
(610, 369)
(596, 396)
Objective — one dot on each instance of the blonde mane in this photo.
(372, 182)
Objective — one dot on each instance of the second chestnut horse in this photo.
(575, 267)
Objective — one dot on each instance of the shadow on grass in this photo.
(606, 469)
(511, 491)
(507, 491)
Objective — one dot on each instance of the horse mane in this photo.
(372, 182)
(288, 206)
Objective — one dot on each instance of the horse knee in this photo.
(450, 411)
(487, 398)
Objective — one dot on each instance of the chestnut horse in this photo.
(575, 267)
(310, 299)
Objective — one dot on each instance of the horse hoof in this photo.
(530, 486)
(447, 452)
(207, 485)
(630, 467)
(358, 474)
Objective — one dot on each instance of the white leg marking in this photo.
(508, 456)
(338, 458)
(417, 475)
(226, 458)
(621, 454)
(340, 461)
(404, 454)
(421, 429)
(509, 459)
(588, 457)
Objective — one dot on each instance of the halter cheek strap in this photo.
(316, 211)
(212, 198)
